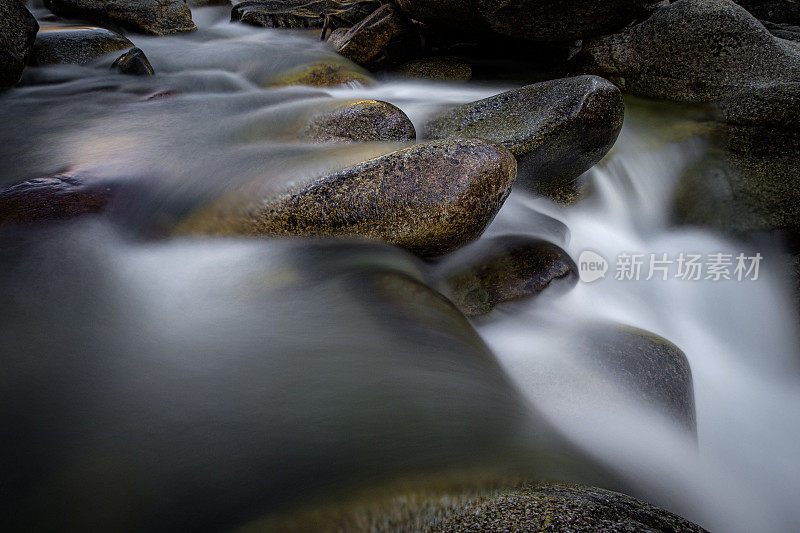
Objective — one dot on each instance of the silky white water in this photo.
(222, 128)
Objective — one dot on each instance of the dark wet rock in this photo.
(430, 199)
(646, 365)
(496, 507)
(156, 17)
(304, 13)
(501, 269)
(57, 197)
(699, 50)
(18, 29)
(64, 44)
(204, 3)
(322, 74)
(383, 40)
(776, 11)
(134, 63)
(784, 31)
(437, 68)
(534, 20)
(557, 129)
(385, 363)
(360, 121)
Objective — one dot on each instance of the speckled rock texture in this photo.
(777, 11)
(694, 50)
(648, 366)
(18, 30)
(383, 40)
(360, 121)
(134, 63)
(79, 45)
(431, 199)
(535, 20)
(437, 68)
(304, 13)
(557, 129)
(504, 269)
(156, 17)
(322, 74)
(58, 197)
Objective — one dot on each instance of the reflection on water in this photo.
(210, 381)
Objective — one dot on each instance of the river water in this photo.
(221, 128)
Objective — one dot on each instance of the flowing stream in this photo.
(220, 128)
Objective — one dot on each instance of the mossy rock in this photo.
(359, 121)
(18, 29)
(156, 17)
(322, 74)
(431, 199)
(556, 129)
(437, 68)
(78, 45)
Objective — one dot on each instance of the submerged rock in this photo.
(360, 121)
(430, 199)
(156, 17)
(698, 50)
(437, 68)
(52, 198)
(65, 44)
(382, 40)
(134, 62)
(303, 13)
(504, 269)
(322, 74)
(18, 29)
(648, 366)
(557, 129)
(534, 20)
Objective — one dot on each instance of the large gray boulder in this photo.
(18, 30)
(694, 50)
(535, 20)
(430, 199)
(556, 129)
(77, 45)
(157, 17)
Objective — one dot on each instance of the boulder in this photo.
(18, 29)
(437, 68)
(776, 11)
(534, 20)
(383, 40)
(79, 45)
(156, 17)
(647, 366)
(693, 50)
(322, 74)
(360, 121)
(557, 129)
(501, 269)
(58, 197)
(431, 199)
(303, 13)
(134, 63)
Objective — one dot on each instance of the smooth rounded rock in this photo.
(557, 129)
(431, 199)
(322, 74)
(134, 62)
(156, 17)
(79, 45)
(501, 269)
(360, 121)
(18, 29)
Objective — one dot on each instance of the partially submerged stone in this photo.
(504, 269)
(431, 199)
(18, 29)
(322, 74)
(134, 62)
(382, 40)
(437, 68)
(78, 45)
(557, 129)
(303, 13)
(360, 121)
(156, 17)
